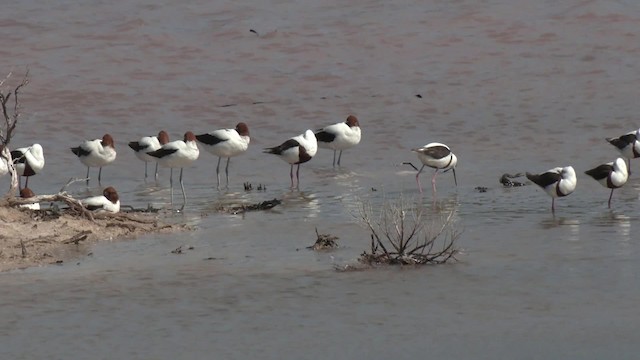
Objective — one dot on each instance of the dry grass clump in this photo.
(402, 235)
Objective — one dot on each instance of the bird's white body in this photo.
(611, 175)
(618, 176)
(150, 143)
(34, 158)
(339, 136)
(109, 201)
(566, 185)
(178, 154)
(226, 143)
(296, 150)
(428, 158)
(102, 203)
(294, 155)
(628, 144)
(184, 155)
(147, 144)
(438, 156)
(231, 143)
(98, 155)
(345, 136)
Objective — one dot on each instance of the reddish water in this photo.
(511, 86)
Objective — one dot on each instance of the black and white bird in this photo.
(178, 154)
(28, 161)
(148, 144)
(340, 136)
(437, 156)
(108, 201)
(297, 150)
(557, 182)
(611, 175)
(226, 143)
(628, 145)
(96, 153)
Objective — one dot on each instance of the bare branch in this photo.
(403, 228)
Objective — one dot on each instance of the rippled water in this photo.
(511, 86)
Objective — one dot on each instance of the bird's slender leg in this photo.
(88, 176)
(145, 170)
(298, 176)
(553, 207)
(418, 179)
(171, 185)
(99, 175)
(226, 170)
(184, 195)
(433, 181)
(610, 196)
(291, 175)
(339, 157)
(156, 171)
(629, 166)
(218, 172)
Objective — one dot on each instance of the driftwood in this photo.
(10, 115)
(324, 242)
(265, 205)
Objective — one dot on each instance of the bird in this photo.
(96, 153)
(26, 193)
(178, 154)
(628, 145)
(339, 136)
(611, 175)
(438, 156)
(226, 143)
(108, 201)
(148, 144)
(296, 150)
(557, 182)
(28, 161)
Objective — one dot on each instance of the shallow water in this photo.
(511, 86)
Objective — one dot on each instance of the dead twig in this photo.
(81, 236)
(324, 242)
(400, 235)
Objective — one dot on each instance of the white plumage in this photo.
(146, 145)
(96, 153)
(226, 143)
(28, 161)
(296, 150)
(611, 175)
(178, 154)
(438, 156)
(339, 136)
(556, 182)
(108, 201)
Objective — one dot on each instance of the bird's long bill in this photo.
(454, 176)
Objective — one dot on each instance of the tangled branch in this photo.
(401, 235)
(10, 116)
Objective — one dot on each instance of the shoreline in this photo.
(30, 238)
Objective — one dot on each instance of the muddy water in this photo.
(510, 85)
